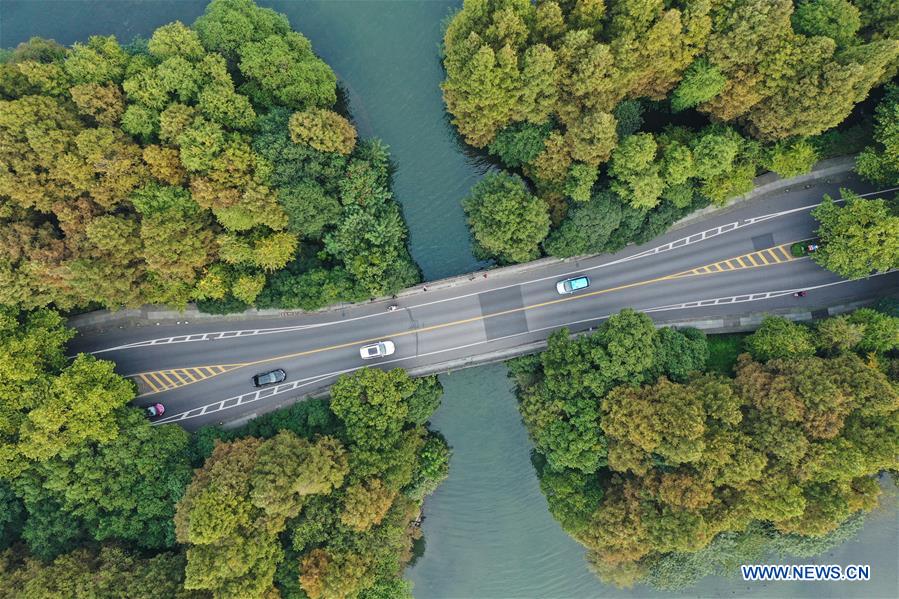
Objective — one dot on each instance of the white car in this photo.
(377, 350)
(571, 285)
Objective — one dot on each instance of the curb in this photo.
(150, 314)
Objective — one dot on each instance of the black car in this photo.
(269, 378)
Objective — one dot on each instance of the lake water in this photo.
(487, 528)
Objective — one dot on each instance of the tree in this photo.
(101, 60)
(635, 171)
(880, 163)
(838, 334)
(366, 504)
(519, 143)
(175, 39)
(125, 489)
(226, 25)
(247, 287)
(837, 19)
(232, 548)
(592, 138)
(372, 404)
(283, 70)
(324, 130)
(858, 238)
(507, 222)
(579, 184)
(587, 228)
(702, 82)
(778, 337)
(680, 352)
(681, 478)
(792, 159)
(880, 331)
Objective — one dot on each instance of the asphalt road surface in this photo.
(731, 263)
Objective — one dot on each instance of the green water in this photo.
(487, 528)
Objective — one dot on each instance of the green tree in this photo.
(366, 504)
(635, 171)
(837, 19)
(231, 548)
(778, 337)
(792, 159)
(508, 223)
(702, 82)
(880, 163)
(519, 143)
(838, 334)
(678, 353)
(226, 25)
(125, 489)
(324, 130)
(283, 70)
(587, 228)
(881, 331)
(857, 238)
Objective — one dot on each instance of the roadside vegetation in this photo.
(668, 466)
(625, 116)
(209, 163)
(317, 500)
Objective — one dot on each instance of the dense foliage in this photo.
(78, 464)
(880, 163)
(858, 237)
(107, 573)
(556, 89)
(655, 465)
(195, 166)
(507, 221)
(323, 505)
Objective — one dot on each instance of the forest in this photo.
(611, 120)
(317, 500)
(668, 470)
(211, 163)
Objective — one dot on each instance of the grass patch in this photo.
(723, 352)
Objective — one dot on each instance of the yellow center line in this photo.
(699, 271)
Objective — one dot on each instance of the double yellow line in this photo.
(166, 380)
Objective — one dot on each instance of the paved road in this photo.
(732, 263)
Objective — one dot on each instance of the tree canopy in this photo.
(311, 514)
(507, 222)
(666, 473)
(858, 238)
(199, 165)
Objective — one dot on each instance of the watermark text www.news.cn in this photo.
(798, 572)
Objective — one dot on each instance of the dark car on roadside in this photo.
(269, 378)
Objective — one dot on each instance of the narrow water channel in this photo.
(488, 531)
